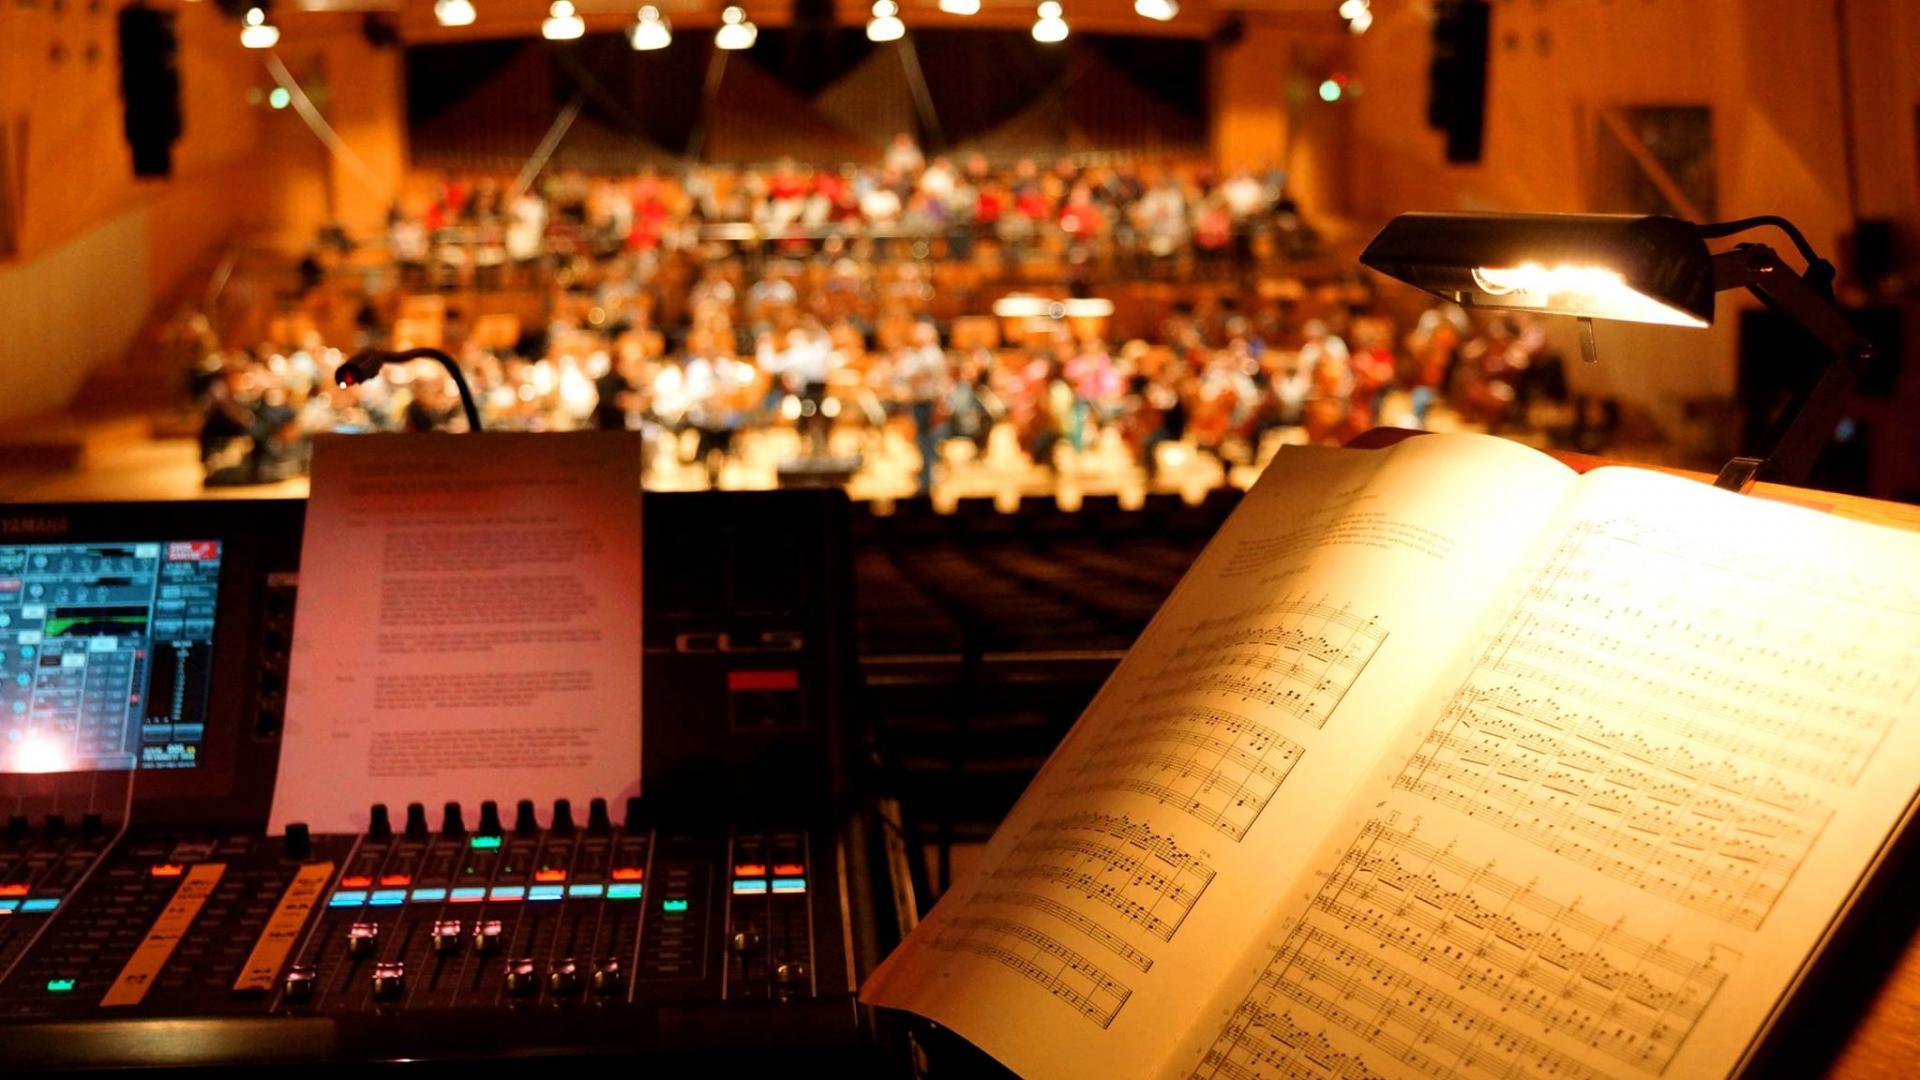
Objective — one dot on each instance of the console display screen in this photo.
(104, 654)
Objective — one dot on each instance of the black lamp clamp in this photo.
(367, 363)
(1808, 421)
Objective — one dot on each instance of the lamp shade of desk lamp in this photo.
(1649, 269)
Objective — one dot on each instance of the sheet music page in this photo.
(1149, 850)
(467, 626)
(1617, 833)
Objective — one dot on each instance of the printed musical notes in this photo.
(1210, 764)
(1120, 864)
(1434, 961)
(1604, 725)
(1059, 970)
(1113, 943)
(1296, 659)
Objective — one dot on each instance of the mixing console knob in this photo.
(378, 827)
(490, 819)
(446, 936)
(597, 817)
(521, 977)
(563, 977)
(16, 826)
(91, 825)
(486, 935)
(416, 821)
(524, 823)
(789, 974)
(299, 843)
(563, 817)
(452, 822)
(300, 982)
(608, 978)
(362, 938)
(56, 824)
(746, 941)
(389, 979)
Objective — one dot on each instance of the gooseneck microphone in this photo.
(366, 363)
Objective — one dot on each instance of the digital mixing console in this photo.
(146, 919)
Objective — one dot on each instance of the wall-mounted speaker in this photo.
(150, 87)
(1457, 78)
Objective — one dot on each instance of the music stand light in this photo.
(1639, 268)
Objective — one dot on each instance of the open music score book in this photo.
(1443, 760)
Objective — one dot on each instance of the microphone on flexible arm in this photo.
(366, 363)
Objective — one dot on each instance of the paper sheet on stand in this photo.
(468, 626)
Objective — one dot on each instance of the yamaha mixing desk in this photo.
(147, 918)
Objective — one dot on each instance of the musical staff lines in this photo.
(1136, 959)
(1296, 658)
(1062, 972)
(1118, 863)
(1215, 766)
(1603, 724)
(1431, 959)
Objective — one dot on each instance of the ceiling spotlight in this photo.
(1157, 10)
(735, 32)
(562, 22)
(256, 32)
(885, 24)
(653, 31)
(1358, 13)
(960, 7)
(453, 12)
(1049, 27)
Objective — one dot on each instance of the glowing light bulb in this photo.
(885, 24)
(736, 31)
(1330, 90)
(1157, 10)
(453, 12)
(1589, 291)
(256, 32)
(1351, 9)
(1049, 27)
(960, 7)
(653, 31)
(562, 22)
(38, 753)
(278, 98)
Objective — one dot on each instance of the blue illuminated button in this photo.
(467, 894)
(789, 884)
(7, 906)
(486, 842)
(429, 896)
(674, 905)
(586, 890)
(508, 892)
(624, 890)
(546, 892)
(348, 898)
(387, 897)
(59, 985)
(748, 886)
(39, 904)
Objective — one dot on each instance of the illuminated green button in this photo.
(674, 905)
(59, 986)
(486, 842)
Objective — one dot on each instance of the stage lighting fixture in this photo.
(562, 22)
(453, 12)
(1358, 13)
(960, 7)
(1049, 27)
(278, 98)
(736, 30)
(1650, 269)
(885, 24)
(653, 31)
(1157, 10)
(256, 32)
(1330, 90)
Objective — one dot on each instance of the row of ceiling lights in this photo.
(651, 30)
